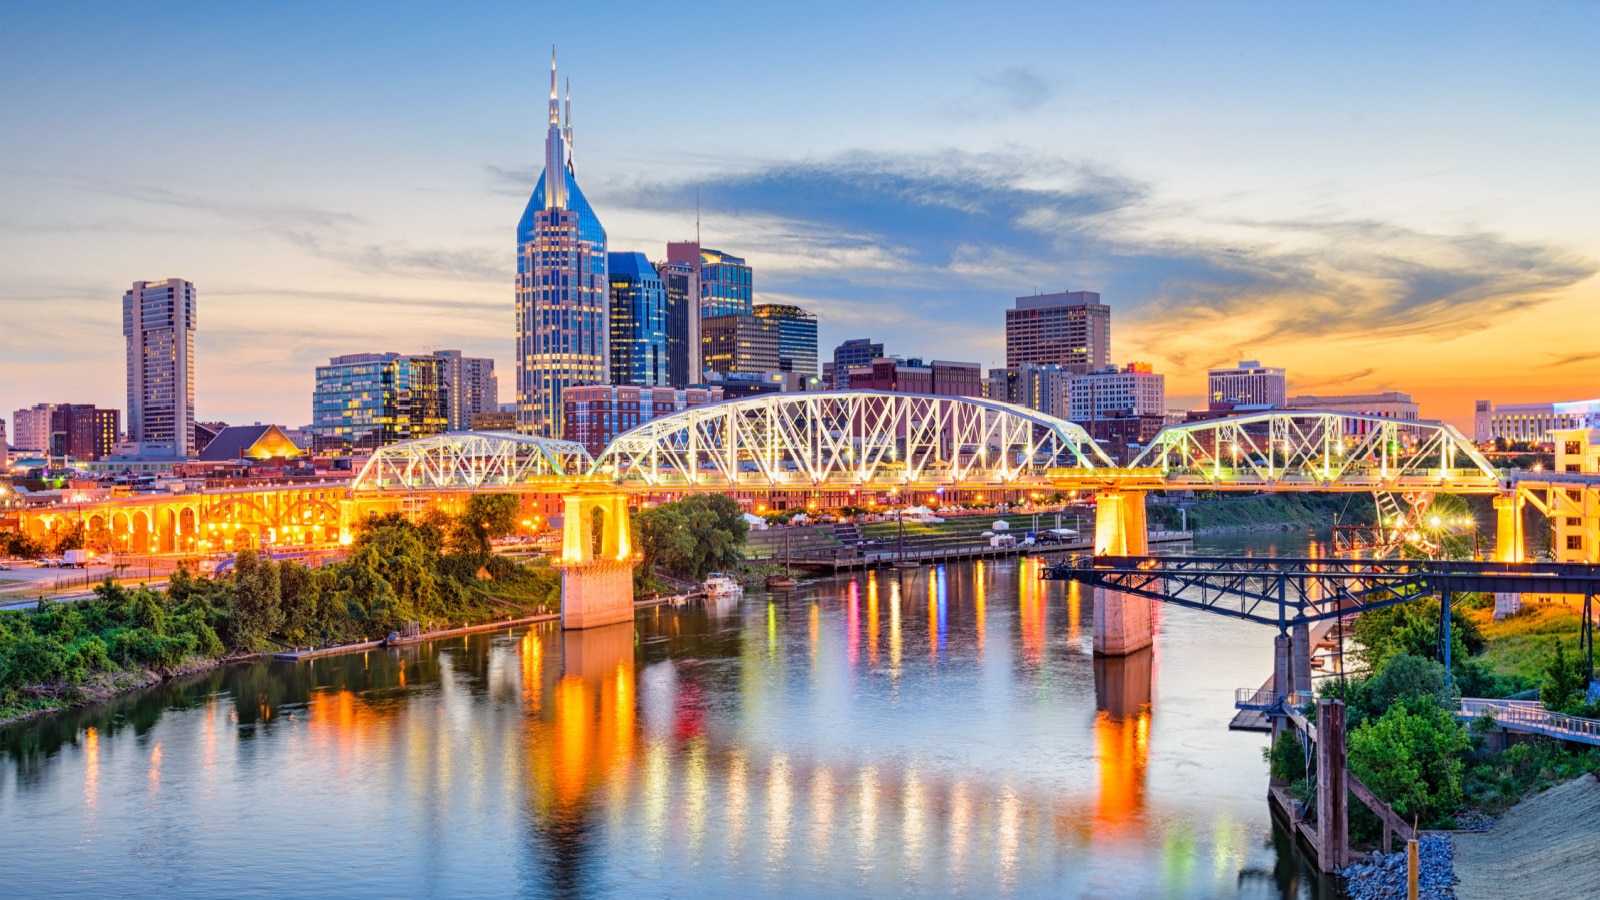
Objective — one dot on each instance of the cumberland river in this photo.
(943, 731)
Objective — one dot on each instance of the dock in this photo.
(297, 655)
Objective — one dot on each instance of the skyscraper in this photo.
(856, 353)
(725, 280)
(1071, 329)
(363, 401)
(471, 385)
(797, 337)
(158, 319)
(32, 428)
(83, 430)
(682, 284)
(639, 351)
(739, 344)
(563, 294)
(1251, 384)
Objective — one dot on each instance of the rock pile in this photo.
(1384, 875)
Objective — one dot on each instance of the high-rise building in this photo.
(364, 401)
(1071, 329)
(83, 431)
(682, 284)
(725, 280)
(739, 343)
(640, 354)
(1250, 384)
(855, 353)
(597, 413)
(471, 385)
(1133, 390)
(32, 427)
(563, 293)
(158, 319)
(797, 337)
(5, 445)
(1046, 388)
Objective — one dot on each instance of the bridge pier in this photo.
(596, 587)
(1509, 546)
(1122, 622)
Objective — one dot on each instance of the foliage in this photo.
(1413, 628)
(22, 546)
(1498, 781)
(1286, 758)
(486, 517)
(1411, 757)
(1566, 681)
(699, 534)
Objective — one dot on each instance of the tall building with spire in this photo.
(563, 294)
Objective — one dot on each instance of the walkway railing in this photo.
(1530, 715)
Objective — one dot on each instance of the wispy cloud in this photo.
(1569, 360)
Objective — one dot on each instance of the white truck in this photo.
(74, 559)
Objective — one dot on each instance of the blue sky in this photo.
(1377, 198)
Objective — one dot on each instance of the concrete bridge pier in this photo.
(1509, 546)
(1122, 622)
(596, 583)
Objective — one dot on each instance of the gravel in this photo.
(1384, 876)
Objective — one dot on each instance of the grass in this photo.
(966, 524)
(1520, 645)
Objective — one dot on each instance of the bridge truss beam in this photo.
(473, 461)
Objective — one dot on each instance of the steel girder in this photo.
(1312, 449)
(472, 461)
(849, 439)
(1287, 592)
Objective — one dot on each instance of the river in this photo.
(939, 732)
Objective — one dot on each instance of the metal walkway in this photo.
(1530, 717)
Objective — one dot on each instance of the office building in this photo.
(563, 293)
(725, 280)
(83, 430)
(856, 353)
(639, 350)
(1046, 388)
(739, 343)
(913, 376)
(1071, 329)
(681, 281)
(1530, 422)
(1248, 384)
(1389, 404)
(596, 413)
(797, 337)
(31, 428)
(364, 401)
(1131, 390)
(471, 385)
(494, 421)
(158, 319)
(5, 446)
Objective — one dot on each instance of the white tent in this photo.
(1001, 525)
(756, 522)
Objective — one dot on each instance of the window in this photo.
(1574, 542)
(1574, 448)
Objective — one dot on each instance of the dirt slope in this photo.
(1547, 846)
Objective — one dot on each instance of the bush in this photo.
(1411, 758)
(1286, 757)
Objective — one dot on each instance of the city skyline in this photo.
(1309, 223)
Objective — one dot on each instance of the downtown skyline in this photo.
(1368, 206)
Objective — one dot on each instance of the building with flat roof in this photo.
(472, 385)
(1071, 329)
(740, 343)
(1531, 422)
(913, 376)
(597, 413)
(83, 430)
(31, 428)
(364, 401)
(1248, 384)
(797, 337)
(1390, 404)
(856, 353)
(1133, 390)
(639, 351)
(681, 281)
(158, 320)
(726, 281)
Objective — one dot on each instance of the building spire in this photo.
(567, 132)
(555, 149)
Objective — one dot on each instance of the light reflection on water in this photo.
(938, 731)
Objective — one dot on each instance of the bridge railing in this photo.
(1532, 716)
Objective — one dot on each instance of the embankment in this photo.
(1546, 846)
(1261, 512)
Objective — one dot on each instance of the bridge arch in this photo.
(472, 461)
(848, 439)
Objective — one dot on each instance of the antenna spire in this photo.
(697, 217)
(567, 132)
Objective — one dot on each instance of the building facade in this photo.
(797, 337)
(1046, 388)
(563, 293)
(1248, 384)
(913, 376)
(83, 430)
(1071, 329)
(471, 385)
(1532, 422)
(597, 413)
(364, 401)
(31, 428)
(158, 320)
(739, 343)
(856, 353)
(639, 350)
(726, 281)
(1390, 404)
(681, 281)
(1131, 390)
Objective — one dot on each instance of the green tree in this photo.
(257, 610)
(693, 536)
(1566, 681)
(1405, 677)
(486, 517)
(1413, 628)
(1411, 758)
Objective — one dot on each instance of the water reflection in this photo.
(942, 730)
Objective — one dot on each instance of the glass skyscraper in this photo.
(725, 280)
(682, 283)
(158, 319)
(364, 401)
(639, 350)
(563, 294)
(797, 337)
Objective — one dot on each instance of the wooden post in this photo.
(1333, 819)
(1413, 889)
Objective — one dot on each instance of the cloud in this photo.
(1018, 87)
(950, 237)
(1569, 360)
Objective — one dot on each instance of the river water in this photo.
(939, 732)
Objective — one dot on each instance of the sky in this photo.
(1376, 196)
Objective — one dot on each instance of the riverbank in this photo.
(1545, 846)
(105, 686)
(1252, 513)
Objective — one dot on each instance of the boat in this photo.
(720, 585)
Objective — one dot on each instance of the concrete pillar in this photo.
(596, 591)
(1509, 546)
(1282, 676)
(1122, 622)
(1333, 814)
(1122, 683)
(1301, 645)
